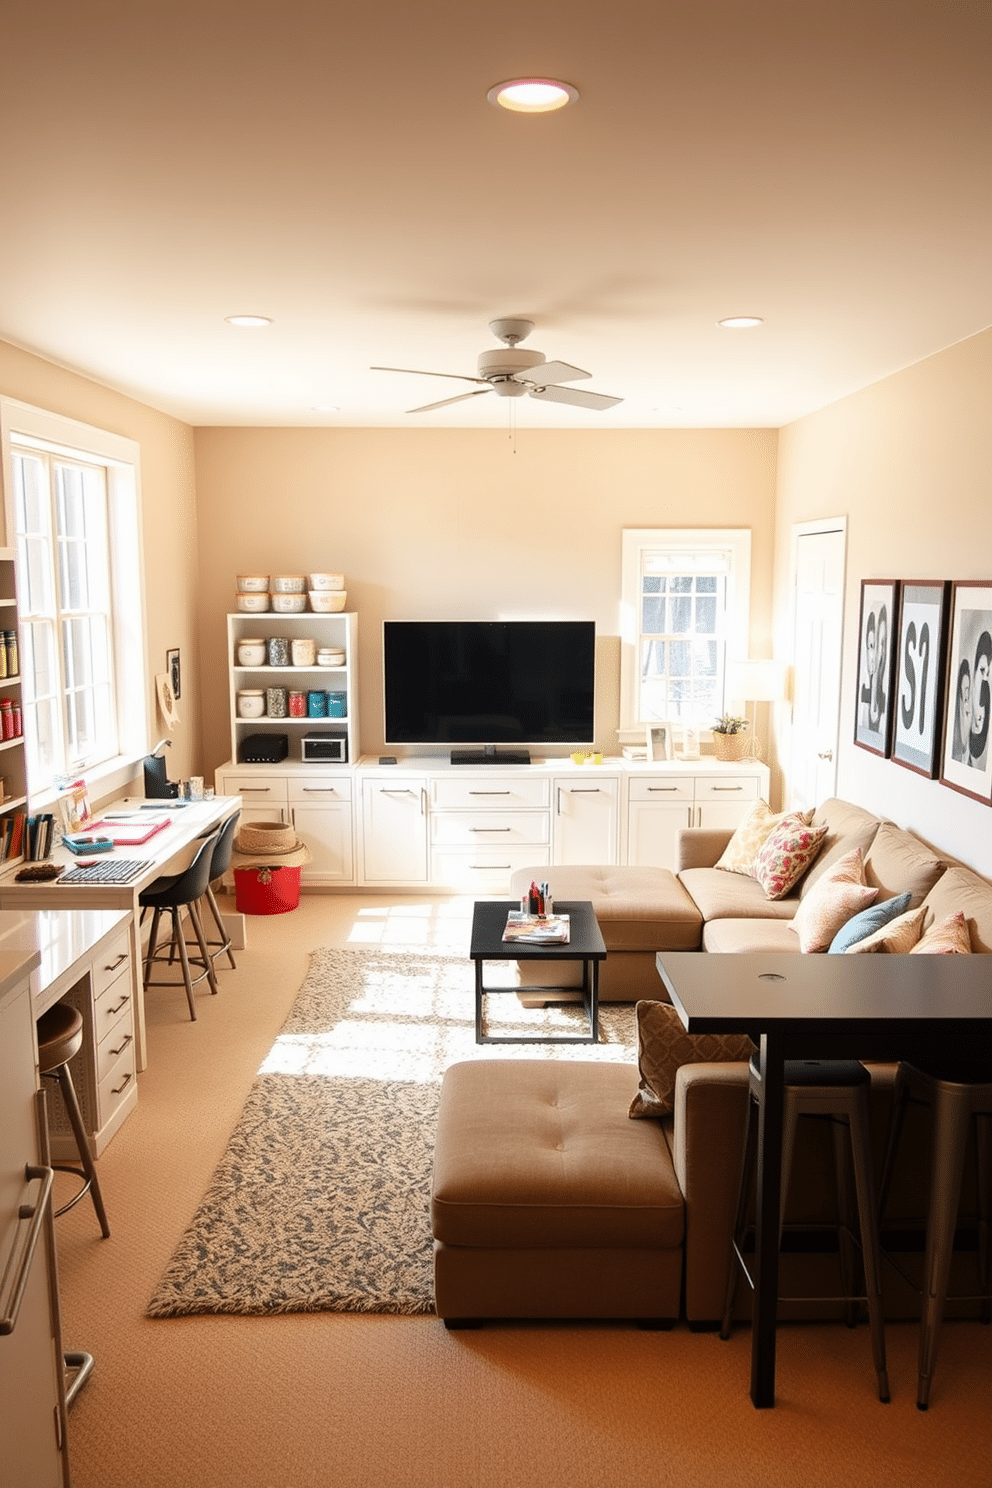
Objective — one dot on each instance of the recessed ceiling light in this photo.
(740, 322)
(248, 320)
(532, 95)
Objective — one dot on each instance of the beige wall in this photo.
(168, 514)
(464, 525)
(909, 461)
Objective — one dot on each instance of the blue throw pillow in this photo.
(868, 921)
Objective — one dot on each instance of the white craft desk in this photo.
(167, 852)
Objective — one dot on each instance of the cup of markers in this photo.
(537, 900)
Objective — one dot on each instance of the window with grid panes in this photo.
(684, 612)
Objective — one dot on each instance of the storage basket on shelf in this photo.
(267, 860)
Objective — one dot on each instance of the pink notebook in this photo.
(127, 833)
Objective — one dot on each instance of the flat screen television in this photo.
(475, 685)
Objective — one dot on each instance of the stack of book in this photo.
(26, 836)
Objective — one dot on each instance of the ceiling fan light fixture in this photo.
(532, 95)
(252, 321)
(741, 322)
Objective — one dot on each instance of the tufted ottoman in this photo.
(548, 1201)
(640, 911)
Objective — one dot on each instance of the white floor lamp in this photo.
(756, 682)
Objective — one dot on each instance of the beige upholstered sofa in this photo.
(698, 1158)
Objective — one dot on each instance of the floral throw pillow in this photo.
(948, 938)
(749, 837)
(663, 1045)
(787, 852)
(828, 905)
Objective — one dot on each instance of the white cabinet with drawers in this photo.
(317, 801)
(662, 799)
(105, 1071)
(484, 826)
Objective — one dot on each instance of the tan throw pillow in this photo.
(749, 835)
(663, 1045)
(895, 938)
(827, 906)
(787, 852)
(948, 938)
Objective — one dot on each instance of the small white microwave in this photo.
(325, 748)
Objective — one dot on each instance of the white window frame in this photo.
(636, 541)
(31, 427)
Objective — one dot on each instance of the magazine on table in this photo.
(532, 929)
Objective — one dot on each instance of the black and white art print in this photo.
(876, 655)
(966, 764)
(920, 656)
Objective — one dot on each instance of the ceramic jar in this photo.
(330, 656)
(251, 651)
(278, 651)
(289, 584)
(251, 703)
(304, 651)
(276, 702)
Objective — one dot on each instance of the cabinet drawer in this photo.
(489, 829)
(319, 790)
(111, 964)
(485, 870)
(480, 793)
(257, 790)
(727, 788)
(116, 1002)
(117, 1084)
(118, 1042)
(661, 788)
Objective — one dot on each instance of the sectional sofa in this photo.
(685, 1168)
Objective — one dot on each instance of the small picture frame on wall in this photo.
(659, 741)
(967, 759)
(174, 669)
(920, 674)
(876, 669)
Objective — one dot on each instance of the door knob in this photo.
(825, 754)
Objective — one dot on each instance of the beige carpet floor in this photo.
(356, 1401)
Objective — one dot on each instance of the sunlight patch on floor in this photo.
(442, 924)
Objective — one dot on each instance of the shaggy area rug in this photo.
(322, 1200)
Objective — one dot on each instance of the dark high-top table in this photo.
(822, 1007)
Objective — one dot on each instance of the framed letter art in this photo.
(876, 657)
(919, 697)
(966, 765)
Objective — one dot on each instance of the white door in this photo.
(585, 824)
(818, 586)
(394, 822)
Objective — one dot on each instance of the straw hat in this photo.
(268, 845)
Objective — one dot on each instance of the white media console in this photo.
(424, 823)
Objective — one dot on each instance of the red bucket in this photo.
(267, 891)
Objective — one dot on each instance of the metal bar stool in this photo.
(219, 865)
(60, 1036)
(956, 1093)
(837, 1090)
(175, 893)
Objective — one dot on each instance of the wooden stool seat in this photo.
(60, 1036)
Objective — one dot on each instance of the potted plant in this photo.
(730, 737)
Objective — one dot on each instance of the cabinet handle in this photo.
(112, 1012)
(582, 790)
(123, 1085)
(36, 1214)
(119, 962)
(123, 1046)
(489, 793)
(715, 788)
(490, 867)
(662, 788)
(320, 790)
(254, 790)
(423, 800)
(384, 790)
(491, 829)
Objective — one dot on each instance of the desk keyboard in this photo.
(114, 871)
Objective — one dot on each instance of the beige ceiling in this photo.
(824, 164)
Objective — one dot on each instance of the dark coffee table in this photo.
(585, 944)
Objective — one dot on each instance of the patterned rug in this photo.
(322, 1200)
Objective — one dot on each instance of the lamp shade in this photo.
(756, 681)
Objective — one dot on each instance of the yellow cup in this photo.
(595, 759)
(578, 759)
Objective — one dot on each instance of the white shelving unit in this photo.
(340, 631)
(13, 766)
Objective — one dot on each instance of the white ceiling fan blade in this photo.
(419, 372)
(460, 398)
(549, 373)
(578, 396)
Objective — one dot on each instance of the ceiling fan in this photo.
(511, 372)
